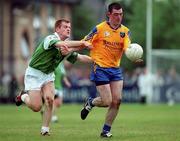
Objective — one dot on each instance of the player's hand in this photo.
(65, 50)
(139, 61)
(68, 84)
(87, 44)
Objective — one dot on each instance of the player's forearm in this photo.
(84, 58)
(71, 44)
(75, 49)
(66, 81)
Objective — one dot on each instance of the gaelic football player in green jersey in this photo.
(39, 76)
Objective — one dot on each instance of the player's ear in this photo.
(108, 14)
(57, 29)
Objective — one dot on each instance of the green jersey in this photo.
(47, 57)
(59, 74)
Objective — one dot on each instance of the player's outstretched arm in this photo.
(84, 58)
(74, 44)
(65, 50)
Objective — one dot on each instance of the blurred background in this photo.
(154, 24)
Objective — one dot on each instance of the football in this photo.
(134, 52)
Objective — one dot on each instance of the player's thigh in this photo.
(104, 92)
(48, 90)
(35, 97)
(116, 89)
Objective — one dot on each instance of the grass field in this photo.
(134, 123)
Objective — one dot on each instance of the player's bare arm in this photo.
(66, 50)
(74, 44)
(67, 47)
(84, 58)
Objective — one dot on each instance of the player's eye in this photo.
(117, 14)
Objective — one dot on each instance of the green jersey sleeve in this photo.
(62, 69)
(72, 58)
(59, 74)
(49, 41)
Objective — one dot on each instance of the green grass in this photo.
(134, 123)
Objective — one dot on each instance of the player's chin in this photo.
(117, 24)
(67, 35)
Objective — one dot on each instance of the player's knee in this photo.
(116, 103)
(119, 102)
(57, 102)
(49, 100)
(37, 108)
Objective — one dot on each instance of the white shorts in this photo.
(35, 79)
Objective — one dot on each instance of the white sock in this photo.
(44, 129)
(54, 118)
(24, 96)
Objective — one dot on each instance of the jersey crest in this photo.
(122, 34)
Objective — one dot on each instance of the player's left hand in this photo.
(65, 50)
(139, 61)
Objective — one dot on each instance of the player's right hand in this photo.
(88, 44)
(65, 50)
(139, 61)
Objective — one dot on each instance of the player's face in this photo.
(64, 30)
(115, 17)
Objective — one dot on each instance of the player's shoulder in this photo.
(124, 27)
(102, 25)
(51, 37)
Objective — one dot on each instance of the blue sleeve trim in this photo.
(91, 34)
(129, 34)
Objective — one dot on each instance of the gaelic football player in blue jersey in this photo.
(109, 39)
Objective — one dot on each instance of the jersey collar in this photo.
(111, 26)
(55, 33)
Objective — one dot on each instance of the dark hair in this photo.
(59, 22)
(114, 5)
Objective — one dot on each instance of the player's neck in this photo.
(114, 26)
(62, 38)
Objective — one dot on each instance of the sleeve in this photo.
(60, 70)
(49, 41)
(92, 35)
(63, 71)
(127, 40)
(56, 70)
(72, 58)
